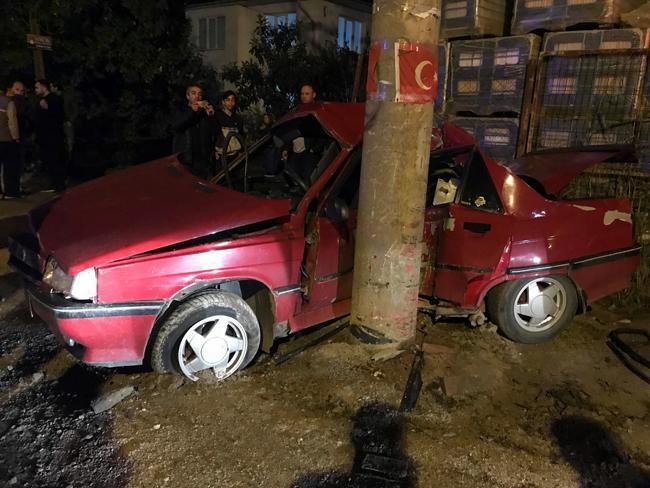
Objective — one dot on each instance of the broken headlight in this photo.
(82, 286)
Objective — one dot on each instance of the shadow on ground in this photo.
(596, 455)
(379, 460)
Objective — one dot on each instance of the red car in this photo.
(152, 265)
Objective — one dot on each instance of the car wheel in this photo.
(215, 332)
(533, 310)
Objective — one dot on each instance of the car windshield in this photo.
(283, 164)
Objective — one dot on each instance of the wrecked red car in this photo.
(152, 265)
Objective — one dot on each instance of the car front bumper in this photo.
(101, 334)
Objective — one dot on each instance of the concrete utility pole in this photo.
(402, 79)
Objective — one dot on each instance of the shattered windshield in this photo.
(283, 164)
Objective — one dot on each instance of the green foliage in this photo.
(280, 62)
(123, 65)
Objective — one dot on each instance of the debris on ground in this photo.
(109, 400)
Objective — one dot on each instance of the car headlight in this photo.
(82, 286)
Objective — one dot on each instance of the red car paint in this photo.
(144, 231)
(142, 208)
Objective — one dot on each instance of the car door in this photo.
(329, 260)
(473, 237)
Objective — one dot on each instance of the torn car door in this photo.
(330, 248)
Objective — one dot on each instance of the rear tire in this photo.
(533, 310)
(217, 331)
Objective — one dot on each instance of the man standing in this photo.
(302, 158)
(194, 133)
(9, 140)
(229, 127)
(25, 122)
(50, 136)
(307, 93)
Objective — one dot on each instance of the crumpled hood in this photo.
(554, 171)
(140, 209)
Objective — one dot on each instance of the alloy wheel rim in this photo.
(540, 304)
(218, 342)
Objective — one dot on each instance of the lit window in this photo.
(276, 20)
(350, 34)
(212, 33)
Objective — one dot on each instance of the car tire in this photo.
(217, 331)
(533, 310)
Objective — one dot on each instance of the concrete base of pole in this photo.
(370, 336)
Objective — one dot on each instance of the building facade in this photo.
(222, 30)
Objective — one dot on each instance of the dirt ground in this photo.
(491, 413)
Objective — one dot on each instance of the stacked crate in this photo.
(443, 69)
(472, 18)
(557, 15)
(643, 131)
(497, 136)
(590, 99)
(486, 86)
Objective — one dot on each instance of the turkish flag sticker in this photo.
(416, 67)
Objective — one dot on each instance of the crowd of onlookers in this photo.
(205, 135)
(31, 131)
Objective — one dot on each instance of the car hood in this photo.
(141, 209)
(555, 171)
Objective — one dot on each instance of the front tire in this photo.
(533, 310)
(213, 331)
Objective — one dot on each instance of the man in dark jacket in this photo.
(50, 136)
(230, 128)
(194, 131)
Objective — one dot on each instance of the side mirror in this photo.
(336, 210)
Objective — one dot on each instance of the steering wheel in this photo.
(296, 178)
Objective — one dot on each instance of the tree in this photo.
(123, 65)
(280, 62)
